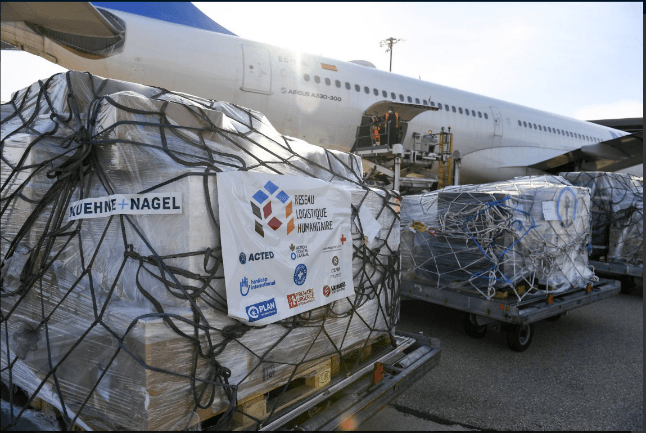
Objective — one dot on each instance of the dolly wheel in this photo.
(521, 338)
(471, 327)
(628, 283)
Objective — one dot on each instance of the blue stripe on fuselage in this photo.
(173, 12)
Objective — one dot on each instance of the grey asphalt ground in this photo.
(582, 372)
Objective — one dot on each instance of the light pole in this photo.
(389, 43)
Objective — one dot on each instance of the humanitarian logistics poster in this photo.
(286, 244)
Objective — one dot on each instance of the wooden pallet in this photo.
(304, 383)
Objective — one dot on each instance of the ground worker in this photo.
(376, 140)
(392, 126)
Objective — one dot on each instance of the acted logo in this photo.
(300, 298)
(261, 310)
(261, 207)
(254, 257)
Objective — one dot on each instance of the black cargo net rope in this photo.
(617, 210)
(77, 169)
(486, 238)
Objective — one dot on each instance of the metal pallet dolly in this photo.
(629, 275)
(509, 315)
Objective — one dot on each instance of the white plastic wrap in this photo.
(617, 211)
(125, 317)
(518, 237)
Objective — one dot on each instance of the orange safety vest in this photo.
(375, 132)
(396, 116)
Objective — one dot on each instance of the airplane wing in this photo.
(611, 155)
(81, 18)
(77, 27)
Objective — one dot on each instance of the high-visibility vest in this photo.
(397, 119)
(375, 132)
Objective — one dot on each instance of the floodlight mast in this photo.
(389, 43)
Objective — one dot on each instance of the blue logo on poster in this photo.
(261, 310)
(244, 286)
(300, 274)
(293, 256)
(243, 258)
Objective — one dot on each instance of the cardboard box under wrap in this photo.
(497, 237)
(107, 285)
(617, 210)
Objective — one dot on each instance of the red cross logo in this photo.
(343, 239)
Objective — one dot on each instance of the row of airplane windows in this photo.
(393, 96)
(557, 131)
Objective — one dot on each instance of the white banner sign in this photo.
(128, 204)
(287, 244)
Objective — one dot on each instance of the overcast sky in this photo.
(583, 60)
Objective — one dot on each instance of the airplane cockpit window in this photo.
(558, 131)
(410, 100)
(530, 125)
(439, 105)
(384, 93)
(540, 128)
(401, 97)
(486, 117)
(392, 95)
(534, 126)
(327, 82)
(417, 101)
(480, 115)
(357, 88)
(460, 110)
(338, 83)
(453, 108)
(366, 89)
(473, 113)
(317, 79)
(446, 107)
(520, 124)
(347, 85)
(525, 124)
(549, 129)
(306, 77)
(376, 92)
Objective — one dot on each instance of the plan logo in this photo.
(261, 310)
(261, 207)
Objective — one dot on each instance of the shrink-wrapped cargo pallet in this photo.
(121, 322)
(513, 238)
(617, 210)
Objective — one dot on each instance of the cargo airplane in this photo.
(318, 99)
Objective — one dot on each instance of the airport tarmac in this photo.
(582, 372)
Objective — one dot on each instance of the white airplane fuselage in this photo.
(272, 80)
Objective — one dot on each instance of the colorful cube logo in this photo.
(263, 212)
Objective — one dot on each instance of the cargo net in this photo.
(617, 210)
(121, 322)
(518, 238)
